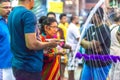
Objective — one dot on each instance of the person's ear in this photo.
(46, 28)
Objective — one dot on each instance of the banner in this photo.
(56, 7)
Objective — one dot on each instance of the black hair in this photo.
(42, 18)
(45, 21)
(51, 13)
(116, 17)
(100, 13)
(61, 15)
(72, 18)
(4, 1)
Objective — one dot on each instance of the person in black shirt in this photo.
(97, 69)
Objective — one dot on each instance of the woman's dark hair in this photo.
(42, 18)
(100, 13)
(45, 21)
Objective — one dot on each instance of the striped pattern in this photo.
(51, 67)
(51, 70)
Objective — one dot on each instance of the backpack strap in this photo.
(113, 27)
(118, 35)
(119, 29)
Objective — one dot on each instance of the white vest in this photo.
(115, 45)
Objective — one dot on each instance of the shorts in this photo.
(70, 65)
(25, 75)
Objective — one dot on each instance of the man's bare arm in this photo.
(34, 44)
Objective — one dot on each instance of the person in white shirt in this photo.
(72, 35)
(115, 47)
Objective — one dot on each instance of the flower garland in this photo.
(98, 57)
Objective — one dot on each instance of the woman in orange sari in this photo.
(51, 68)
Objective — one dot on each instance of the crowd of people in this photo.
(41, 49)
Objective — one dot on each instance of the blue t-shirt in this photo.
(20, 22)
(5, 53)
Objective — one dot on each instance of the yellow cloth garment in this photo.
(64, 28)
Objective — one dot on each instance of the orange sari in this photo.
(51, 66)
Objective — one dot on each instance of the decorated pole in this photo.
(85, 25)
